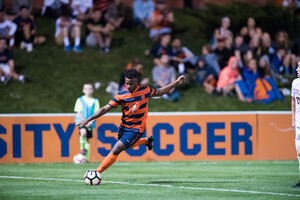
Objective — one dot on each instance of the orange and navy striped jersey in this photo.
(134, 107)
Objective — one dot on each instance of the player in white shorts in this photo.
(295, 93)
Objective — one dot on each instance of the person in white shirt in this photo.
(66, 27)
(82, 9)
(295, 93)
(7, 29)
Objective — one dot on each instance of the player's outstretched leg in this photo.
(111, 157)
(145, 141)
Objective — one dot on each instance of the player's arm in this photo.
(96, 115)
(167, 88)
(293, 112)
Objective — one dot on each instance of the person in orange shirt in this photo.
(134, 101)
(228, 76)
(161, 20)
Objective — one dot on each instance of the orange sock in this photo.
(107, 162)
(140, 142)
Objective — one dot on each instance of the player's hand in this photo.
(180, 79)
(82, 123)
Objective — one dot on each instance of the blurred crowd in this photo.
(248, 64)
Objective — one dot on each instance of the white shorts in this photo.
(154, 32)
(5, 68)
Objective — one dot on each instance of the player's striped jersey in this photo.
(134, 107)
(295, 93)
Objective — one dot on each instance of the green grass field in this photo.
(153, 180)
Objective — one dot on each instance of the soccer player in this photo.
(295, 93)
(85, 107)
(134, 101)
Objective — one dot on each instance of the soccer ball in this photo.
(79, 158)
(92, 177)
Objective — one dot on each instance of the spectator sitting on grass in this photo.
(245, 87)
(289, 59)
(163, 75)
(7, 29)
(228, 76)
(161, 20)
(222, 52)
(82, 9)
(7, 64)
(264, 68)
(26, 31)
(251, 34)
(66, 27)
(161, 48)
(141, 12)
(116, 13)
(210, 58)
(206, 76)
(98, 31)
(180, 57)
(223, 33)
(241, 50)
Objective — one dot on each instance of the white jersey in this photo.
(295, 93)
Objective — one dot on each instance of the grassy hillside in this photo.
(57, 76)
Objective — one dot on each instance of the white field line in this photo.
(157, 185)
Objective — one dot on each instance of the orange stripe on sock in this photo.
(107, 162)
(140, 142)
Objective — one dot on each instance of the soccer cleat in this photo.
(77, 49)
(150, 143)
(68, 48)
(297, 185)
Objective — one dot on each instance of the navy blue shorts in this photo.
(129, 136)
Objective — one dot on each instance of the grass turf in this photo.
(259, 176)
(57, 77)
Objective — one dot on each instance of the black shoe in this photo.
(297, 185)
(150, 143)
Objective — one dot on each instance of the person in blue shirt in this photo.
(245, 87)
(141, 12)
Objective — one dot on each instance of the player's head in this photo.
(298, 67)
(88, 89)
(131, 79)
